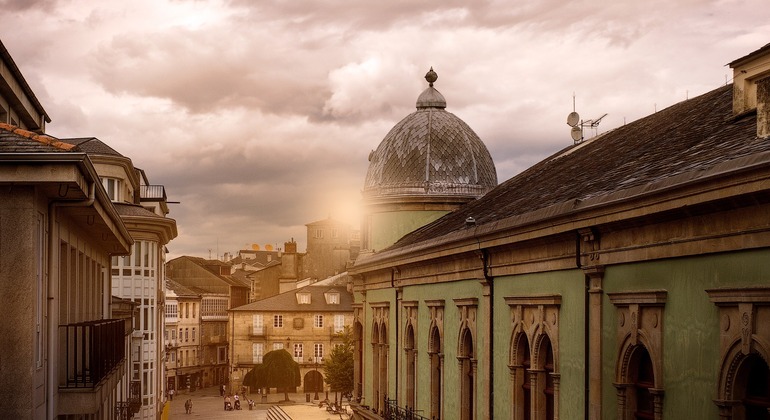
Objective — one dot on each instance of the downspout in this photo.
(53, 293)
(398, 326)
(489, 279)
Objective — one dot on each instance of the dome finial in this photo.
(431, 76)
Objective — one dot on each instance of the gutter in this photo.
(548, 217)
(491, 332)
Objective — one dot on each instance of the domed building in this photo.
(429, 164)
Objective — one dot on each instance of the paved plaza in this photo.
(207, 404)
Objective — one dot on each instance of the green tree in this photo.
(277, 370)
(338, 368)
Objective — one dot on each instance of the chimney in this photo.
(291, 247)
(751, 87)
(763, 107)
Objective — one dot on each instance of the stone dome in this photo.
(430, 153)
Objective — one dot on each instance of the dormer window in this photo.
(112, 186)
(332, 298)
(303, 298)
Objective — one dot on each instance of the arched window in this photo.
(436, 355)
(410, 366)
(383, 364)
(744, 380)
(436, 373)
(641, 400)
(548, 385)
(639, 330)
(376, 368)
(753, 387)
(467, 376)
(533, 357)
(525, 383)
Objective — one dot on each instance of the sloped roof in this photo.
(431, 152)
(127, 209)
(181, 290)
(287, 301)
(16, 140)
(92, 145)
(673, 146)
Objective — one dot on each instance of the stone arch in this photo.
(411, 365)
(627, 348)
(436, 355)
(467, 360)
(520, 364)
(732, 362)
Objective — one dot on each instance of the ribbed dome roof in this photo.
(431, 152)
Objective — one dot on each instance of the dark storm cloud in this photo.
(193, 70)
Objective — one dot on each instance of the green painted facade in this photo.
(691, 331)
(388, 227)
(690, 324)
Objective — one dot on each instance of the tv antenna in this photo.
(574, 121)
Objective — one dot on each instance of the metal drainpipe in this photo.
(398, 326)
(53, 315)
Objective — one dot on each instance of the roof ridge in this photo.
(40, 138)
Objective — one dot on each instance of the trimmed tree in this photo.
(277, 370)
(338, 368)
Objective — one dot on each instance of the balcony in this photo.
(125, 410)
(257, 332)
(152, 192)
(90, 365)
(91, 351)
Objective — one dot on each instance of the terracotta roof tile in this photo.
(16, 140)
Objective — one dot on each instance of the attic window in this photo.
(303, 298)
(332, 298)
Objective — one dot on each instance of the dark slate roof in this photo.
(431, 152)
(686, 138)
(287, 301)
(126, 209)
(16, 140)
(92, 145)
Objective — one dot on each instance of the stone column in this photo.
(595, 295)
(556, 380)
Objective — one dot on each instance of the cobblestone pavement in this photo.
(207, 404)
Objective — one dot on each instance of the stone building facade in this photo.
(622, 277)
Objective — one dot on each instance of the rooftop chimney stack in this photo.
(763, 107)
(751, 87)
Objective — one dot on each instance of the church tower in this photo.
(429, 164)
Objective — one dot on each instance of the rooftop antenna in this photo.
(574, 121)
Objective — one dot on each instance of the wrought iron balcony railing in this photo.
(393, 412)
(91, 350)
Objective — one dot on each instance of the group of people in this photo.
(235, 404)
(188, 406)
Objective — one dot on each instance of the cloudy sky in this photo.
(258, 116)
